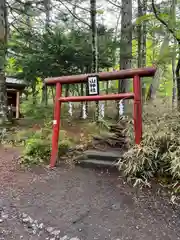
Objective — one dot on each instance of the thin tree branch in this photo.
(163, 22)
(16, 19)
(114, 4)
(75, 16)
(77, 6)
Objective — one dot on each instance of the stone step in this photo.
(110, 156)
(94, 163)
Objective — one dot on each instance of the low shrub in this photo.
(37, 147)
(159, 153)
(64, 146)
(23, 135)
(36, 151)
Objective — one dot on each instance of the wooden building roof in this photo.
(15, 83)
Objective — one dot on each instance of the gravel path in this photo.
(79, 204)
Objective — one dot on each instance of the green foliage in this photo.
(63, 49)
(58, 52)
(146, 17)
(37, 111)
(37, 148)
(159, 153)
(36, 151)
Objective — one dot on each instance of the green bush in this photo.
(64, 146)
(159, 153)
(23, 135)
(37, 148)
(36, 151)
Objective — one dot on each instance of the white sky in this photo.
(109, 16)
(110, 12)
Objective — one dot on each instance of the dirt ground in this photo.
(76, 203)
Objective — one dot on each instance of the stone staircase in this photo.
(106, 150)
(99, 159)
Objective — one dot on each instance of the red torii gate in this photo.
(136, 74)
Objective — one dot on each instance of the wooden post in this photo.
(56, 125)
(17, 104)
(137, 109)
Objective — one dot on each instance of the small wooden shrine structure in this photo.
(14, 88)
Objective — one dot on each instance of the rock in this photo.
(49, 229)
(116, 206)
(24, 215)
(64, 238)
(34, 226)
(26, 220)
(31, 220)
(56, 232)
(79, 147)
(40, 233)
(52, 238)
(75, 238)
(4, 215)
(1, 220)
(36, 222)
(34, 232)
(41, 226)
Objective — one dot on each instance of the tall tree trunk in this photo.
(178, 78)
(139, 34)
(94, 45)
(53, 94)
(174, 74)
(144, 33)
(141, 31)
(107, 91)
(82, 104)
(125, 44)
(173, 10)
(27, 8)
(28, 18)
(115, 39)
(47, 7)
(94, 36)
(87, 70)
(34, 93)
(3, 43)
(74, 13)
(66, 90)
